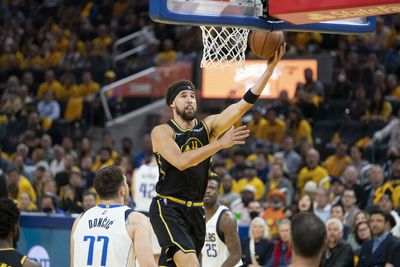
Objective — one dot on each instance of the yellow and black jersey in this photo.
(9, 257)
(191, 183)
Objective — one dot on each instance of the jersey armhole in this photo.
(127, 212)
(219, 232)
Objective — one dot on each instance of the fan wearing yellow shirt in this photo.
(313, 171)
(257, 124)
(393, 86)
(275, 128)
(251, 178)
(102, 42)
(50, 83)
(88, 87)
(104, 159)
(15, 177)
(335, 164)
(53, 58)
(299, 128)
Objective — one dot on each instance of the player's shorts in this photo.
(177, 227)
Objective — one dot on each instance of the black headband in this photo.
(177, 90)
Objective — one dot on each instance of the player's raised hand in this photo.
(234, 136)
(278, 55)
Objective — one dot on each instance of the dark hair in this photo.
(356, 237)
(338, 205)
(9, 216)
(308, 234)
(172, 87)
(107, 181)
(214, 177)
(380, 212)
(311, 208)
(107, 149)
(89, 193)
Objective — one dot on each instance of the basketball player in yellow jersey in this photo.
(183, 147)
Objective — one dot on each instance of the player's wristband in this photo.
(249, 97)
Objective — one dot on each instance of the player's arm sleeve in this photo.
(141, 239)
(72, 241)
(229, 227)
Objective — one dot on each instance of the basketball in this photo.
(264, 44)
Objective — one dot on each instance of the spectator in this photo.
(299, 128)
(88, 88)
(322, 208)
(356, 158)
(393, 87)
(251, 178)
(14, 177)
(305, 204)
(313, 171)
(273, 213)
(379, 109)
(375, 252)
(362, 233)
(369, 196)
(103, 160)
(86, 171)
(359, 104)
(351, 181)
(240, 206)
(282, 254)
(69, 201)
(291, 158)
(337, 189)
(57, 164)
(257, 249)
(392, 129)
(50, 84)
(257, 124)
(336, 163)
(167, 55)
(349, 200)
(89, 200)
(25, 203)
(48, 205)
(277, 181)
(274, 129)
(338, 253)
(228, 196)
(386, 205)
(48, 108)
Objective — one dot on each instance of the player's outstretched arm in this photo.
(139, 227)
(219, 123)
(229, 227)
(164, 144)
(72, 241)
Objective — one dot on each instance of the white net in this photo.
(223, 46)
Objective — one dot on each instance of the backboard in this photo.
(245, 14)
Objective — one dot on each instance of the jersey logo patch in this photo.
(191, 144)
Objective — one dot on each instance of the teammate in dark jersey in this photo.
(183, 148)
(9, 233)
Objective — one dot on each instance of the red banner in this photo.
(151, 82)
(309, 11)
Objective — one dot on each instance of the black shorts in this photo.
(177, 227)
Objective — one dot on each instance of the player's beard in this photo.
(186, 116)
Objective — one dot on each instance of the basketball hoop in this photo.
(223, 46)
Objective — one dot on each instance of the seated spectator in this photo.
(376, 251)
(349, 200)
(282, 254)
(69, 200)
(360, 234)
(305, 204)
(251, 178)
(337, 211)
(228, 196)
(70, 87)
(257, 248)
(299, 128)
(167, 55)
(374, 189)
(335, 164)
(48, 108)
(379, 109)
(25, 203)
(102, 43)
(313, 172)
(14, 177)
(337, 189)
(338, 253)
(356, 158)
(322, 207)
(53, 56)
(257, 124)
(306, 101)
(50, 84)
(394, 257)
(341, 88)
(89, 200)
(292, 159)
(88, 88)
(273, 212)
(240, 206)
(282, 105)
(274, 129)
(103, 160)
(386, 205)
(359, 104)
(86, 171)
(48, 205)
(278, 181)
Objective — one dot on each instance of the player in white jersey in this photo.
(111, 234)
(144, 181)
(222, 244)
